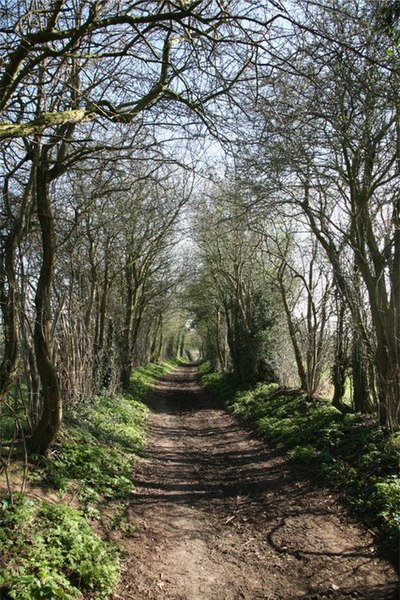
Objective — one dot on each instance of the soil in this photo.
(221, 516)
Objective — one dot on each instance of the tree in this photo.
(70, 69)
(334, 148)
(241, 310)
(123, 58)
(304, 285)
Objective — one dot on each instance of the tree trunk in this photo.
(107, 365)
(8, 299)
(292, 333)
(340, 363)
(126, 359)
(155, 350)
(8, 287)
(181, 345)
(50, 419)
(360, 376)
(388, 379)
(160, 339)
(219, 350)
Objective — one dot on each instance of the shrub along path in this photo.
(222, 517)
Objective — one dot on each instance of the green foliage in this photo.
(204, 368)
(119, 521)
(286, 418)
(98, 470)
(144, 377)
(303, 454)
(13, 417)
(52, 553)
(246, 403)
(7, 426)
(355, 457)
(386, 496)
(223, 384)
(102, 438)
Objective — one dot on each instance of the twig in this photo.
(229, 519)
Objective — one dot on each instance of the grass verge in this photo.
(347, 452)
(50, 550)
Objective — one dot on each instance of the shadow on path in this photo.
(223, 517)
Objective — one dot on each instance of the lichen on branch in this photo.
(50, 119)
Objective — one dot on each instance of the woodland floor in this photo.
(220, 516)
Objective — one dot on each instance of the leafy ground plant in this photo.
(49, 551)
(349, 453)
(102, 439)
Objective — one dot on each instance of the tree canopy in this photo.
(234, 164)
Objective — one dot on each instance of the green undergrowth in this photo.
(352, 455)
(101, 440)
(50, 551)
(223, 385)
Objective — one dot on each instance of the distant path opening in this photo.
(222, 517)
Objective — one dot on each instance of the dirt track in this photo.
(222, 517)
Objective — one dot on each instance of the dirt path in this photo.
(221, 517)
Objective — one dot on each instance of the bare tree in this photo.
(332, 151)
